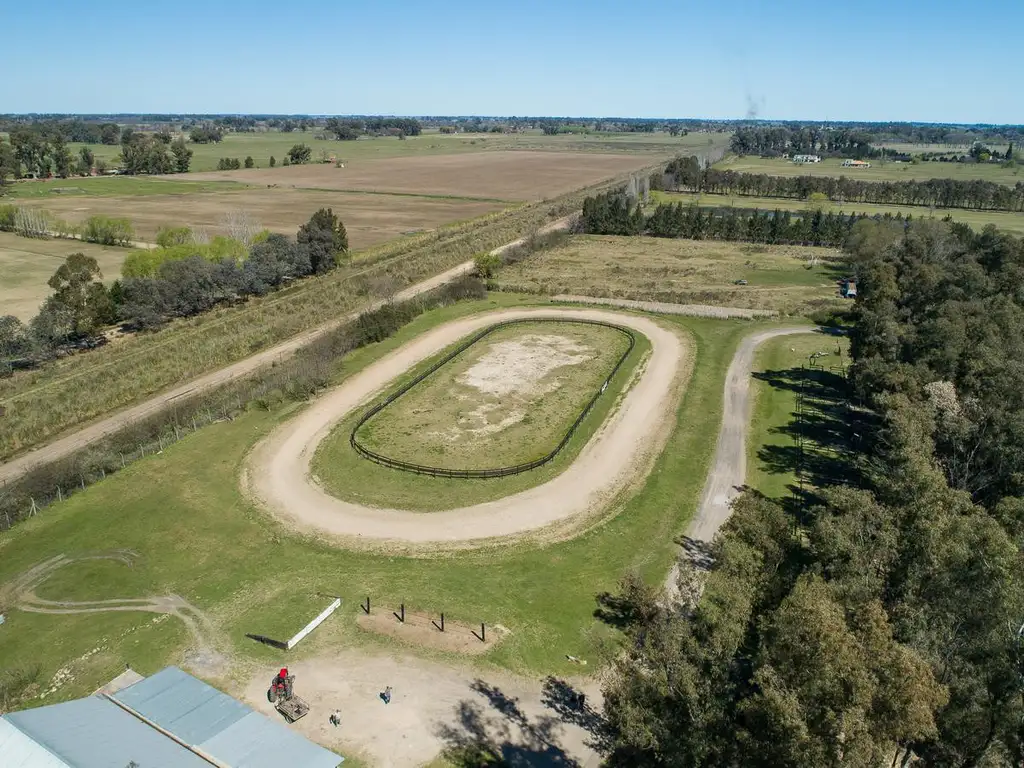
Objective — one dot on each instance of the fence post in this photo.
(176, 438)
(160, 441)
(401, 617)
(60, 496)
(122, 459)
(194, 427)
(367, 606)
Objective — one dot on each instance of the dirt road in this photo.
(15, 468)
(729, 470)
(278, 470)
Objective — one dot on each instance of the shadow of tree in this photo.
(570, 705)
(479, 740)
(615, 610)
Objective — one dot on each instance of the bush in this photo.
(108, 231)
(167, 237)
(8, 217)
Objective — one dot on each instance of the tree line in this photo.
(686, 174)
(352, 128)
(615, 213)
(181, 278)
(880, 622)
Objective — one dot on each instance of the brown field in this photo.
(27, 263)
(369, 218)
(514, 175)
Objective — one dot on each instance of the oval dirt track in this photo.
(277, 472)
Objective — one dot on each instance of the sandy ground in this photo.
(664, 308)
(511, 175)
(278, 470)
(435, 707)
(75, 441)
(729, 471)
(369, 219)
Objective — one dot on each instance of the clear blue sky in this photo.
(934, 60)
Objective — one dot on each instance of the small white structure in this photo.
(856, 164)
(806, 159)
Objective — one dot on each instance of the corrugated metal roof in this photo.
(220, 726)
(187, 707)
(20, 751)
(96, 733)
(256, 741)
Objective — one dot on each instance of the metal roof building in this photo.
(169, 720)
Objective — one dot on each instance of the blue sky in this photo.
(941, 61)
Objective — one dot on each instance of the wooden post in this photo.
(367, 606)
(122, 461)
(401, 617)
(442, 622)
(483, 633)
(60, 496)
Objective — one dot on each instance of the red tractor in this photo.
(281, 694)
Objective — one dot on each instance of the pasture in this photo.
(1007, 221)
(369, 219)
(496, 175)
(788, 279)
(195, 535)
(890, 171)
(348, 476)
(506, 400)
(27, 263)
(262, 146)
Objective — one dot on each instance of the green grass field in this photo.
(196, 536)
(877, 172)
(1004, 220)
(775, 404)
(347, 475)
(789, 279)
(506, 400)
(262, 146)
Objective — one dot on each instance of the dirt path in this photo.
(16, 467)
(435, 707)
(664, 308)
(729, 470)
(278, 470)
(22, 592)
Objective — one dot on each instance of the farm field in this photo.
(877, 172)
(506, 400)
(1004, 220)
(348, 476)
(195, 535)
(788, 279)
(369, 219)
(912, 148)
(114, 186)
(502, 175)
(262, 146)
(41, 404)
(27, 263)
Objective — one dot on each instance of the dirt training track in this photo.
(278, 470)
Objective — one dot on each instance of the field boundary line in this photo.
(665, 308)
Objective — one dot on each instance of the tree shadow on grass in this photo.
(824, 434)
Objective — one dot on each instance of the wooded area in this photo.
(880, 616)
(687, 174)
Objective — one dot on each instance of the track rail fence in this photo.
(420, 469)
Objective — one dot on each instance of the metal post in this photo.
(483, 633)
(400, 617)
(367, 606)
(442, 622)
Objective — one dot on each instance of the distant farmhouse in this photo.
(856, 164)
(806, 159)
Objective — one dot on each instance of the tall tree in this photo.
(79, 292)
(182, 155)
(326, 240)
(86, 159)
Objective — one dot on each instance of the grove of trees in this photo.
(881, 622)
(686, 174)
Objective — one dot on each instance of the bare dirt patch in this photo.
(369, 219)
(422, 629)
(501, 175)
(437, 708)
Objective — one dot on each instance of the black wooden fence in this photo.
(497, 471)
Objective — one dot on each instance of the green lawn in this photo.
(351, 477)
(262, 146)
(775, 405)
(877, 172)
(1004, 220)
(196, 536)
